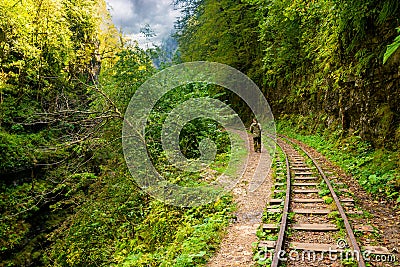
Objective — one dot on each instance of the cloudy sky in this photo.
(132, 15)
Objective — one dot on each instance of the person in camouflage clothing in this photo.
(255, 129)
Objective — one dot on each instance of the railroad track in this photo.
(305, 223)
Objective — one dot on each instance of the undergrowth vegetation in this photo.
(67, 196)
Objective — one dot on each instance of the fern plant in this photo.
(392, 47)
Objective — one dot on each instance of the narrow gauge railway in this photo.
(305, 223)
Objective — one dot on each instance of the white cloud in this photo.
(121, 10)
(131, 15)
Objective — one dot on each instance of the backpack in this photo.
(255, 129)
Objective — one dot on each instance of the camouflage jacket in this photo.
(255, 129)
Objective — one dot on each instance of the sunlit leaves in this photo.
(392, 48)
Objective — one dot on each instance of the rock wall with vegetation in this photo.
(320, 59)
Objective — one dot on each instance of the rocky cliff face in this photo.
(364, 100)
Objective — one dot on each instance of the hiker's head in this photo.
(254, 120)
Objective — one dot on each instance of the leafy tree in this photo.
(49, 56)
(222, 31)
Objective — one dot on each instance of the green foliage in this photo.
(88, 206)
(45, 45)
(18, 151)
(67, 197)
(271, 217)
(392, 48)
(324, 192)
(192, 237)
(328, 200)
(222, 31)
(120, 82)
(261, 257)
(318, 57)
(53, 155)
(102, 223)
(120, 225)
(349, 262)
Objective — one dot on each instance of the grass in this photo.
(235, 158)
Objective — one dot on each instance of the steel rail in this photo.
(282, 230)
(349, 230)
